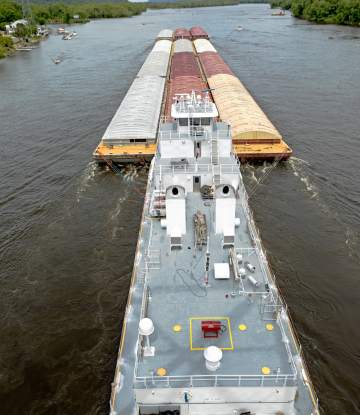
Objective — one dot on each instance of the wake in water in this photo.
(249, 170)
(303, 170)
(86, 176)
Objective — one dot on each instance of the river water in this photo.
(68, 228)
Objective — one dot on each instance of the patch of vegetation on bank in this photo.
(323, 11)
(5, 46)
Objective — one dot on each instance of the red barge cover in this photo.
(198, 32)
(182, 34)
(184, 64)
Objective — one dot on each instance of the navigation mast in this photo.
(27, 12)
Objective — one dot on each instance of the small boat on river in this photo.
(61, 31)
(57, 60)
(239, 28)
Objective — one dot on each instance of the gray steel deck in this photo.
(172, 303)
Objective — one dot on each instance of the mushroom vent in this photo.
(212, 356)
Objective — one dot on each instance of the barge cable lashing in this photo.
(256, 365)
(125, 179)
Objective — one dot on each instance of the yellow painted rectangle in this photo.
(210, 318)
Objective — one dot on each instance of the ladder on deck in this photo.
(214, 151)
(215, 160)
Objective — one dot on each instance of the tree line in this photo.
(66, 10)
(198, 3)
(323, 11)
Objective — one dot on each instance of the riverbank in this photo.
(14, 46)
(341, 12)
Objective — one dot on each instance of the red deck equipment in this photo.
(211, 328)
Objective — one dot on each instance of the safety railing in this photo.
(213, 381)
(222, 134)
(176, 135)
(184, 168)
(199, 109)
(229, 168)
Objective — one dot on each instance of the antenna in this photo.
(27, 12)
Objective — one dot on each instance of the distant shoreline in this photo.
(344, 14)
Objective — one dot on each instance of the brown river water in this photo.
(68, 229)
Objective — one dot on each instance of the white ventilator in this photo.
(146, 327)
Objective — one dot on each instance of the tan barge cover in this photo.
(234, 103)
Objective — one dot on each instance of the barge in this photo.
(181, 61)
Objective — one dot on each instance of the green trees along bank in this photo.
(65, 11)
(323, 11)
(61, 12)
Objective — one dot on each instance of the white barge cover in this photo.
(183, 45)
(162, 46)
(203, 45)
(165, 34)
(156, 64)
(139, 113)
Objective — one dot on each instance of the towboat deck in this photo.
(175, 303)
(170, 300)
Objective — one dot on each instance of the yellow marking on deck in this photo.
(210, 318)
(266, 370)
(242, 327)
(177, 328)
(161, 372)
(270, 327)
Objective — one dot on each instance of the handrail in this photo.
(177, 135)
(184, 168)
(256, 380)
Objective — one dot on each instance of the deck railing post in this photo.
(262, 381)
